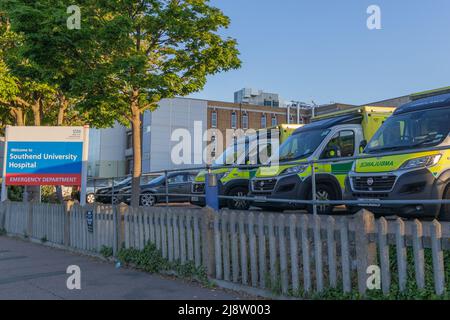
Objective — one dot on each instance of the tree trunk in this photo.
(62, 111)
(17, 113)
(63, 105)
(37, 112)
(137, 155)
(33, 193)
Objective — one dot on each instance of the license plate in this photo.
(194, 199)
(260, 199)
(370, 203)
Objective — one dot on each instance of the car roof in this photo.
(439, 101)
(331, 122)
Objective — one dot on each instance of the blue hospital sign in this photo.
(44, 163)
(44, 156)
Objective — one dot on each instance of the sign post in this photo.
(39, 156)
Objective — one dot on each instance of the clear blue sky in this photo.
(321, 50)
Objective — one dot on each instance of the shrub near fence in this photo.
(299, 255)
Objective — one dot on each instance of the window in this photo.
(263, 121)
(300, 146)
(233, 120)
(274, 121)
(129, 166)
(340, 146)
(245, 121)
(190, 177)
(214, 119)
(176, 179)
(129, 140)
(419, 129)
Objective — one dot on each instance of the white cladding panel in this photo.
(172, 114)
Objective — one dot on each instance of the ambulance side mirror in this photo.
(362, 146)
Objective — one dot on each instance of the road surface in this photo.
(33, 271)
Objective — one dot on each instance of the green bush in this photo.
(106, 251)
(412, 292)
(15, 193)
(48, 194)
(150, 260)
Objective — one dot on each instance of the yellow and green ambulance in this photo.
(410, 172)
(235, 181)
(337, 135)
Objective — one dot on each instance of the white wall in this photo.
(158, 126)
(107, 152)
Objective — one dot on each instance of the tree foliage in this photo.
(127, 56)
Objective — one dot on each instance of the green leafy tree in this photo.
(29, 95)
(155, 49)
(127, 56)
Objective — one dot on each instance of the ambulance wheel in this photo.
(323, 193)
(238, 204)
(444, 215)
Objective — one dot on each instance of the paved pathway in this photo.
(32, 271)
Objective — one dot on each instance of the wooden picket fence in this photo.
(287, 253)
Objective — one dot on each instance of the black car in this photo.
(105, 195)
(154, 191)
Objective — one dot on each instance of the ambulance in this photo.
(409, 171)
(235, 181)
(331, 137)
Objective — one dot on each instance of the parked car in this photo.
(152, 192)
(105, 195)
(93, 186)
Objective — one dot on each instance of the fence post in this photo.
(365, 248)
(30, 219)
(119, 226)
(67, 208)
(208, 216)
(3, 206)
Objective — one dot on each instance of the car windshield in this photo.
(418, 129)
(234, 152)
(122, 182)
(301, 145)
(157, 179)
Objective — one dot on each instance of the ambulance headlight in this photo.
(296, 170)
(422, 162)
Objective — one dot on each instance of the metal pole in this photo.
(95, 190)
(167, 188)
(5, 161)
(313, 179)
(112, 192)
(84, 167)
